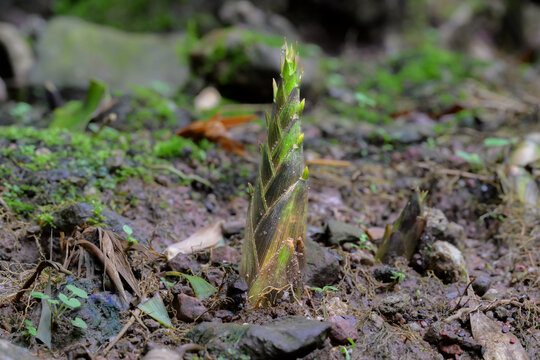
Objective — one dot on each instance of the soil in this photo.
(401, 309)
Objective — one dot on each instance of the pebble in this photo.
(481, 285)
(343, 328)
(225, 254)
(189, 308)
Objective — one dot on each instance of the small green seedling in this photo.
(129, 231)
(348, 352)
(97, 218)
(397, 276)
(167, 283)
(362, 243)
(30, 329)
(325, 290)
(64, 303)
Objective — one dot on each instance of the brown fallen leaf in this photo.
(216, 129)
(496, 344)
(204, 238)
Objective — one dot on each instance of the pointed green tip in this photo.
(305, 174)
(300, 139)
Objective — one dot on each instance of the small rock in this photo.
(481, 284)
(394, 304)
(236, 291)
(233, 227)
(343, 327)
(246, 62)
(77, 214)
(336, 306)
(207, 99)
(8, 351)
(3, 91)
(385, 274)
(243, 13)
(224, 315)
(162, 354)
(183, 263)
(362, 258)
(215, 277)
(446, 261)
(225, 254)
(491, 295)
(189, 308)
(284, 338)
(439, 228)
(151, 324)
(322, 265)
(338, 232)
(16, 56)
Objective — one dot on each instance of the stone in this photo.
(385, 273)
(162, 354)
(241, 63)
(8, 351)
(183, 263)
(3, 91)
(343, 328)
(284, 338)
(207, 99)
(233, 227)
(18, 56)
(446, 261)
(394, 304)
(439, 228)
(77, 214)
(243, 13)
(225, 254)
(481, 285)
(338, 232)
(322, 265)
(72, 51)
(189, 309)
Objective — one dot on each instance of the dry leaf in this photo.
(204, 238)
(216, 129)
(497, 345)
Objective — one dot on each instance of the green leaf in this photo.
(167, 283)
(45, 321)
(72, 303)
(155, 309)
(77, 291)
(39, 295)
(128, 230)
(53, 301)
(78, 322)
(473, 158)
(201, 287)
(75, 115)
(497, 142)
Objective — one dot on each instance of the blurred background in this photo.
(183, 46)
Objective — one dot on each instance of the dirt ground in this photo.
(360, 174)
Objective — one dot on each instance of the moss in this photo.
(44, 168)
(410, 75)
(135, 15)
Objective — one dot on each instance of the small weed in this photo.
(129, 231)
(30, 329)
(347, 352)
(397, 276)
(325, 290)
(97, 218)
(64, 302)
